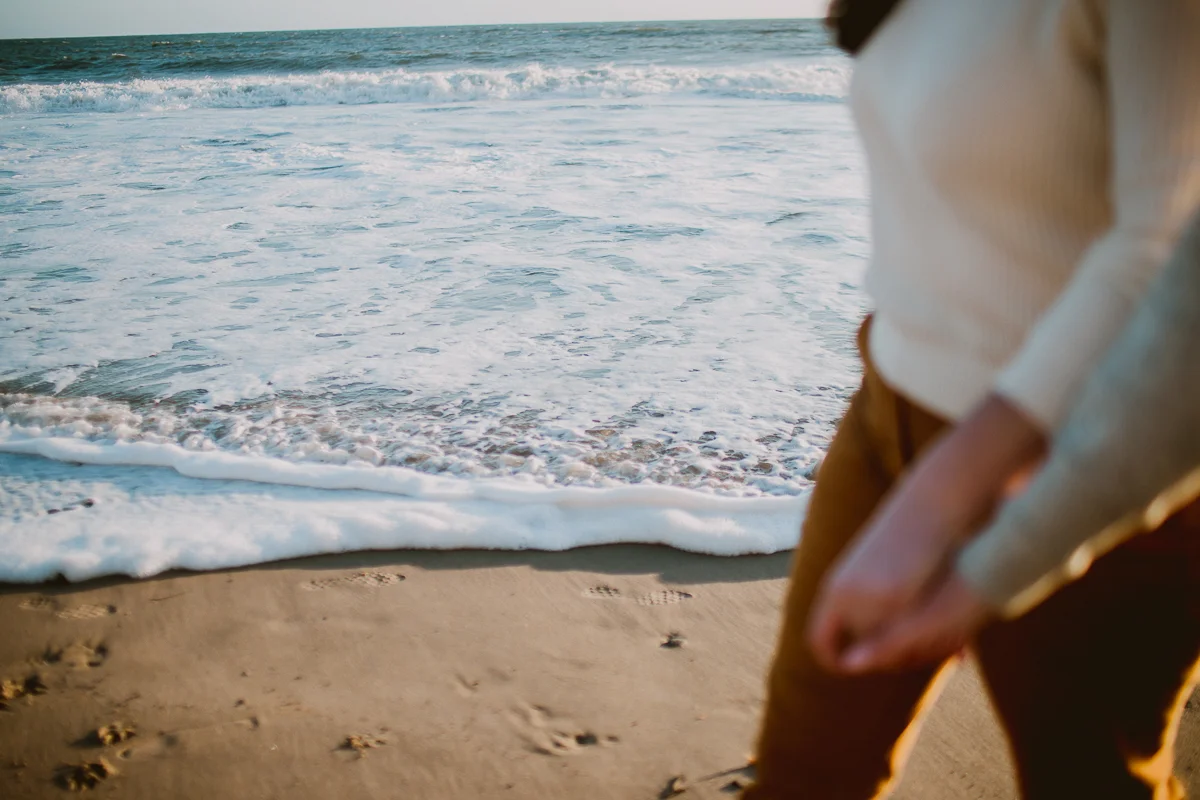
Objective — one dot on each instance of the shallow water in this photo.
(639, 264)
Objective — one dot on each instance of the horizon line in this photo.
(406, 27)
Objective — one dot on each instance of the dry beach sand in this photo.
(596, 673)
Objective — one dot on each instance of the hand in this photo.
(906, 550)
(903, 551)
(937, 629)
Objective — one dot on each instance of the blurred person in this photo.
(1114, 471)
(1031, 166)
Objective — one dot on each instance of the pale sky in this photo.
(46, 18)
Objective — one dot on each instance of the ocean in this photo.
(271, 294)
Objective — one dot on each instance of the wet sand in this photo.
(598, 673)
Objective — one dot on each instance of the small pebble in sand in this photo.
(676, 786)
(360, 743)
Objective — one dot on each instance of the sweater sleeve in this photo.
(1152, 68)
(1128, 455)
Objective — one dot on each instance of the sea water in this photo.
(519, 286)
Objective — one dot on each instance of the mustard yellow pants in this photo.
(1088, 686)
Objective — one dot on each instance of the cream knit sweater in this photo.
(1031, 165)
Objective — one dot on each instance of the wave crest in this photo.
(804, 82)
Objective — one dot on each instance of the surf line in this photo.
(215, 465)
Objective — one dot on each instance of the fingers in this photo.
(846, 614)
(928, 635)
(911, 642)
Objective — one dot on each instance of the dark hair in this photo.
(853, 21)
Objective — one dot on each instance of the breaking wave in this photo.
(794, 82)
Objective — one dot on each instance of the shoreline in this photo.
(93, 520)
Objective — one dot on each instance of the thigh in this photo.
(825, 735)
(1089, 684)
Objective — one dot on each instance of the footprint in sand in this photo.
(146, 748)
(604, 592)
(665, 597)
(85, 776)
(11, 690)
(86, 612)
(179, 740)
(365, 580)
(109, 735)
(464, 685)
(470, 685)
(49, 605)
(551, 735)
(77, 655)
(39, 604)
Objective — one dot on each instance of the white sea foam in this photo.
(82, 522)
(808, 81)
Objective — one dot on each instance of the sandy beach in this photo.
(600, 673)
